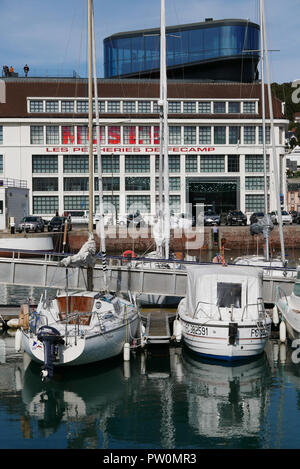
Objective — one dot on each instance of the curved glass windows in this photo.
(132, 53)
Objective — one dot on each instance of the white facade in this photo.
(51, 153)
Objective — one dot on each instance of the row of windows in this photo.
(142, 106)
(1, 134)
(50, 204)
(81, 184)
(148, 135)
(48, 164)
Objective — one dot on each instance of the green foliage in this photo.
(284, 92)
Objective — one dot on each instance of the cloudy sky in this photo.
(51, 36)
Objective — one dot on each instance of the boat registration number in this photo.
(196, 329)
(259, 333)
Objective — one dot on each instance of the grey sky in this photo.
(52, 36)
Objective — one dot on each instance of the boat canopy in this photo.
(212, 288)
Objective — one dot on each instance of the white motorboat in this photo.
(223, 314)
(272, 267)
(289, 310)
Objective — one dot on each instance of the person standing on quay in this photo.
(26, 70)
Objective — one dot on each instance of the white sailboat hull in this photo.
(211, 339)
(83, 350)
(291, 316)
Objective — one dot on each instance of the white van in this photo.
(78, 216)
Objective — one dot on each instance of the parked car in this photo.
(31, 223)
(236, 217)
(211, 218)
(287, 219)
(108, 219)
(294, 215)
(256, 216)
(135, 219)
(78, 216)
(58, 224)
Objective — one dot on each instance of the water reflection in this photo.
(167, 399)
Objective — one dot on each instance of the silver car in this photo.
(31, 223)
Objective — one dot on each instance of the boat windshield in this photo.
(297, 289)
(229, 294)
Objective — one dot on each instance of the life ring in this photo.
(129, 254)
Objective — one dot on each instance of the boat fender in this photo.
(126, 352)
(282, 331)
(51, 339)
(142, 334)
(18, 340)
(232, 332)
(177, 330)
(275, 316)
(129, 254)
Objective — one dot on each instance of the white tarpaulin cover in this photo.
(85, 257)
(210, 286)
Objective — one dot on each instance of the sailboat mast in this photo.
(165, 133)
(100, 182)
(275, 162)
(90, 95)
(262, 62)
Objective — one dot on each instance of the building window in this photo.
(175, 204)
(249, 107)
(191, 163)
(189, 107)
(234, 107)
(129, 135)
(137, 164)
(255, 183)
(204, 135)
(67, 106)
(145, 135)
(174, 107)
(52, 134)
(249, 134)
(45, 204)
(1, 164)
(82, 134)
(111, 203)
(255, 203)
(204, 107)
(76, 164)
(68, 134)
(52, 106)
(233, 163)
(114, 106)
(114, 135)
(212, 164)
(44, 164)
(108, 184)
(129, 107)
(76, 184)
(36, 134)
(219, 107)
(174, 163)
(234, 135)
(189, 135)
(138, 202)
(175, 135)
(137, 184)
(110, 163)
(156, 135)
(76, 202)
(268, 134)
(156, 107)
(255, 163)
(45, 184)
(36, 106)
(1, 134)
(220, 135)
(82, 107)
(144, 107)
(174, 184)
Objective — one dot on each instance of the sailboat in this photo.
(265, 226)
(288, 307)
(76, 328)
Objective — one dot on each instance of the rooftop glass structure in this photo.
(216, 50)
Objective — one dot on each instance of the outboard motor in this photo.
(51, 339)
(232, 333)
